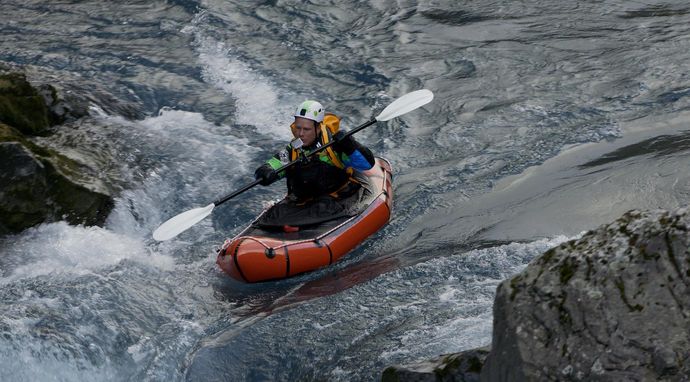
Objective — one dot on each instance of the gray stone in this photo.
(62, 109)
(611, 306)
(34, 190)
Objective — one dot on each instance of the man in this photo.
(326, 179)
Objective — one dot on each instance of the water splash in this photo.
(259, 102)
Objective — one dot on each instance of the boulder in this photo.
(611, 306)
(38, 185)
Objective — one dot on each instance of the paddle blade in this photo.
(180, 223)
(405, 104)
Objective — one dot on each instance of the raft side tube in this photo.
(311, 255)
(261, 259)
(347, 238)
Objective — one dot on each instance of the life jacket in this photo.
(323, 173)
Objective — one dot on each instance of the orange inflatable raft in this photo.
(259, 255)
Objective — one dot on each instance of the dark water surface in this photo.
(550, 118)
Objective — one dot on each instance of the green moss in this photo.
(475, 365)
(514, 286)
(563, 314)
(65, 165)
(390, 375)
(15, 84)
(21, 106)
(544, 260)
(548, 255)
(567, 269)
(10, 134)
(450, 364)
(621, 289)
(564, 317)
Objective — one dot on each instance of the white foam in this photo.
(194, 162)
(258, 100)
(22, 365)
(188, 137)
(454, 296)
(59, 248)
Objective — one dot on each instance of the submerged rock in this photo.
(613, 305)
(460, 367)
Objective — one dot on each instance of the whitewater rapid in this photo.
(549, 119)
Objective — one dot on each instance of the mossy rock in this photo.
(35, 189)
(65, 165)
(22, 106)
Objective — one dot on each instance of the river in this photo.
(549, 118)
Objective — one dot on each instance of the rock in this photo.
(613, 305)
(33, 110)
(62, 110)
(22, 106)
(38, 185)
(459, 367)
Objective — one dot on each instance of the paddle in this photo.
(178, 224)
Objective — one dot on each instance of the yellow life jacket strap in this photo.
(325, 139)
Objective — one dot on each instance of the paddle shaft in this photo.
(237, 192)
(288, 165)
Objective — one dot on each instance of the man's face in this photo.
(306, 131)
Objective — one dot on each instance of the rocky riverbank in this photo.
(39, 184)
(613, 305)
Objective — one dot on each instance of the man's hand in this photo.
(266, 174)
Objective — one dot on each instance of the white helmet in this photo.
(310, 110)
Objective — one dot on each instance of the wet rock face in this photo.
(37, 184)
(22, 106)
(33, 191)
(613, 305)
(33, 110)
